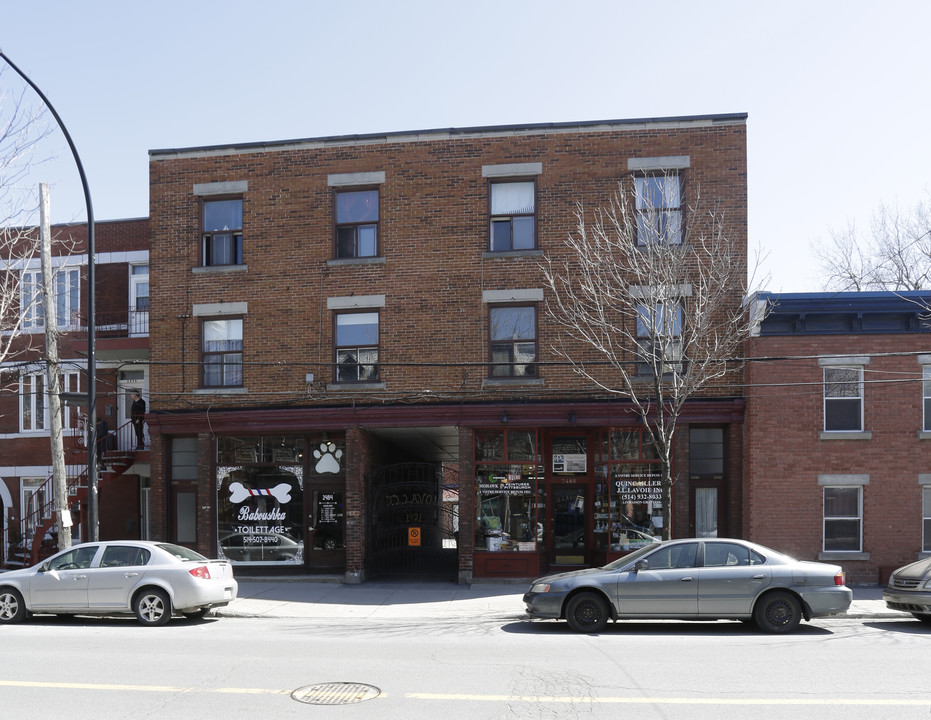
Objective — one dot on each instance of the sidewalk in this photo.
(329, 598)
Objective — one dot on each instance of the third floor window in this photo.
(222, 232)
(356, 223)
(512, 207)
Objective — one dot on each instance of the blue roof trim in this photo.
(837, 313)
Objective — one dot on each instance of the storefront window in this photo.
(507, 471)
(260, 499)
(628, 491)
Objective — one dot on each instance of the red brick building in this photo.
(26, 497)
(838, 427)
(352, 368)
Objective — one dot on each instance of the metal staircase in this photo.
(37, 538)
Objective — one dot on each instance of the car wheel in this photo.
(587, 612)
(196, 614)
(12, 607)
(152, 607)
(921, 617)
(778, 612)
(329, 544)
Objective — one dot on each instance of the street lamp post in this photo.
(92, 520)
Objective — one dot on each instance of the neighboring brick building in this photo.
(838, 428)
(348, 335)
(26, 498)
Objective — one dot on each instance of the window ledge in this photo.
(221, 391)
(511, 253)
(210, 269)
(924, 435)
(337, 262)
(845, 435)
(510, 382)
(843, 555)
(352, 387)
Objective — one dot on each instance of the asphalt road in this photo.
(489, 668)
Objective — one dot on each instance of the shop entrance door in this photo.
(707, 518)
(325, 541)
(570, 513)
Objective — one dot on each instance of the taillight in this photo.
(203, 572)
(839, 579)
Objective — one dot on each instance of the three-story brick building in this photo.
(122, 292)
(351, 364)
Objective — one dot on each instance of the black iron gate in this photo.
(413, 521)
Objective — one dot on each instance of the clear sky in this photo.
(837, 92)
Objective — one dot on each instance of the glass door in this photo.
(570, 524)
(325, 542)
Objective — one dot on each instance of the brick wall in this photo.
(785, 453)
(434, 230)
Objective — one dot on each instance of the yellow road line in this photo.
(542, 699)
(532, 699)
(137, 688)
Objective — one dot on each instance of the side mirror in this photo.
(43, 567)
(641, 565)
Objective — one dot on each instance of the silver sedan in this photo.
(694, 579)
(149, 579)
(909, 590)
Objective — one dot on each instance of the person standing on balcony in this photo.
(137, 417)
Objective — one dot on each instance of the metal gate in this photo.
(413, 521)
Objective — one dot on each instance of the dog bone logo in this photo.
(238, 493)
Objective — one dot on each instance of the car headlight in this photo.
(927, 583)
(540, 588)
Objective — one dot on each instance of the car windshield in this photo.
(621, 562)
(182, 553)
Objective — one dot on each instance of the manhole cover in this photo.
(336, 693)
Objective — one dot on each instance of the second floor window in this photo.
(221, 352)
(513, 216)
(66, 291)
(222, 232)
(843, 399)
(357, 347)
(513, 333)
(32, 402)
(658, 202)
(356, 223)
(659, 337)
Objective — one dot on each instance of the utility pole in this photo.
(53, 378)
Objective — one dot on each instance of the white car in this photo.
(149, 579)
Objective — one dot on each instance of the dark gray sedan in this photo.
(909, 590)
(694, 579)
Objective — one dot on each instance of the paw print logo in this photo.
(327, 458)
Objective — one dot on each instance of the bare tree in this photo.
(21, 129)
(894, 255)
(655, 298)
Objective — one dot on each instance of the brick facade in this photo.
(789, 456)
(430, 282)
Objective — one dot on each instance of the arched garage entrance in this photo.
(413, 521)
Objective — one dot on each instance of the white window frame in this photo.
(29, 399)
(33, 399)
(827, 399)
(659, 223)
(924, 481)
(926, 398)
(858, 517)
(67, 303)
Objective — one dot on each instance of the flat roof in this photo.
(446, 133)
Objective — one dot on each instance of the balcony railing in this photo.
(127, 323)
